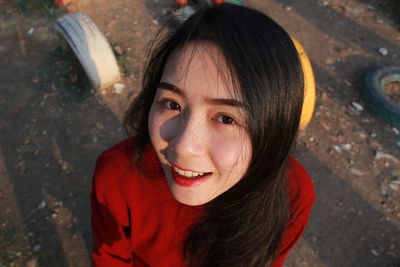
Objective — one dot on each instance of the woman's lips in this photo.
(180, 176)
(186, 172)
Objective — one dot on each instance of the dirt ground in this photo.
(53, 127)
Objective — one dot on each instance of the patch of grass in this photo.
(48, 6)
(7, 240)
(123, 60)
(123, 63)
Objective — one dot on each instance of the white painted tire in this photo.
(91, 48)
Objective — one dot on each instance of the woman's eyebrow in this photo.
(225, 102)
(212, 101)
(171, 87)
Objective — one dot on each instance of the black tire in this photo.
(374, 95)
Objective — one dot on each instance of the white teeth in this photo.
(188, 174)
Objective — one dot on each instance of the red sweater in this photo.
(136, 221)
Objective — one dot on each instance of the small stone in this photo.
(288, 8)
(394, 186)
(94, 139)
(363, 135)
(369, 7)
(312, 139)
(373, 135)
(99, 126)
(346, 147)
(357, 106)
(323, 3)
(30, 234)
(44, 133)
(27, 140)
(42, 205)
(118, 50)
(31, 30)
(386, 164)
(383, 51)
(54, 215)
(356, 171)
(37, 248)
(64, 166)
(396, 131)
(325, 126)
(337, 149)
(119, 87)
(330, 61)
(374, 252)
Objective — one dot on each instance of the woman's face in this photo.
(196, 125)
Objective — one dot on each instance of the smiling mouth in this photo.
(187, 178)
(188, 173)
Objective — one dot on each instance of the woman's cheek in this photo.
(232, 153)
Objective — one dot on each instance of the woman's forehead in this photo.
(199, 65)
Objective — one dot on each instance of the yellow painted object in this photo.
(309, 86)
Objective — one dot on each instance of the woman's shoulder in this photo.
(114, 162)
(119, 148)
(301, 186)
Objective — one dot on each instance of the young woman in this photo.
(206, 178)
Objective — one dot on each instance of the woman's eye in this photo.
(171, 105)
(225, 119)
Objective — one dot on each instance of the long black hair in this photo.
(244, 225)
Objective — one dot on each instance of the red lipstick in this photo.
(188, 182)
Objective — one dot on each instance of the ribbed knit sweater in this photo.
(136, 221)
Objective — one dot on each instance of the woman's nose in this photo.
(188, 137)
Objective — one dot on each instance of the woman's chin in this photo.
(190, 196)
